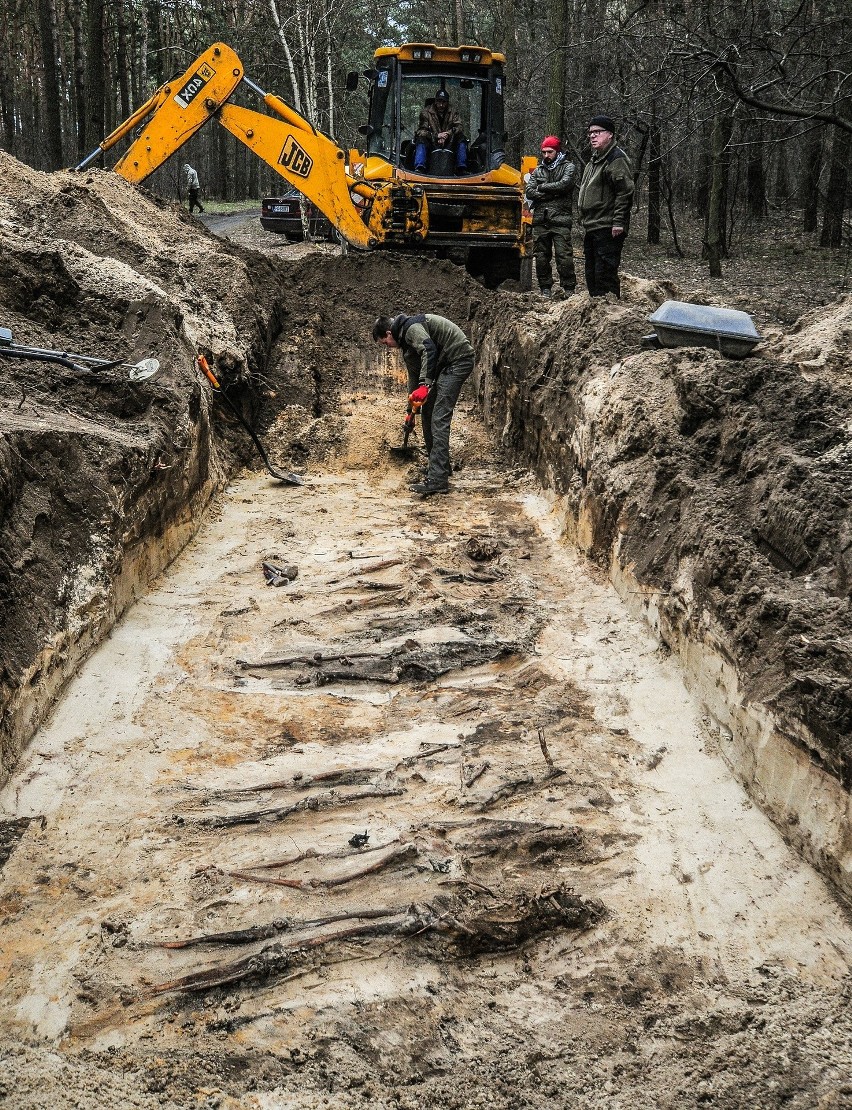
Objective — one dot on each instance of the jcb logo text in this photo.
(194, 85)
(296, 160)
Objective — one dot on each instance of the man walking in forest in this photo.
(193, 187)
(606, 192)
(439, 128)
(439, 359)
(550, 190)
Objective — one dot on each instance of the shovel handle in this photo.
(204, 367)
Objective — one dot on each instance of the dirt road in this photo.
(432, 822)
(227, 224)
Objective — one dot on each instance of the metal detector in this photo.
(143, 371)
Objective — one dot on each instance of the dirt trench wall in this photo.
(102, 481)
(717, 493)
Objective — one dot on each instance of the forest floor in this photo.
(428, 820)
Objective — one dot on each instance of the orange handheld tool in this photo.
(204, 367)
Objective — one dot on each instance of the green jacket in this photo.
(606, 190)
(550, 191)
(430, 344)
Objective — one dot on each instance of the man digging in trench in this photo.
(439, 359)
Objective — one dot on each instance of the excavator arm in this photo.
(396, 211)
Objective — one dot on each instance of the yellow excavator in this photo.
(391, 194)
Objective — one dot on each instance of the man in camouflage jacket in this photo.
(550, 190)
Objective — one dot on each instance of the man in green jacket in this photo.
(606, 192)
(550, 191)
(439, 359)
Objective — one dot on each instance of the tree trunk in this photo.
(810, 179)
(654, 183)
(79, 82)
(458, 12)
(288, 54)
(781, 190)
(715, 241)
(7, 86)
(755, 175)
(835, 195)
(122, 58)
(95, 90)
(50, 77)
(556, 98)
(140, 39)
(703, 178)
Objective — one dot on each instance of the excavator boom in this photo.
(395, 211)
(174, 113)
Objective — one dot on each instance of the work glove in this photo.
(419, 395)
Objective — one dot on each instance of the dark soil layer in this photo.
(725, 484)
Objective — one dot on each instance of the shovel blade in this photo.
(287, 479)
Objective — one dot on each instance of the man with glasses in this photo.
(604, 200)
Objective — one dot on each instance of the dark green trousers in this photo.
(547, 242)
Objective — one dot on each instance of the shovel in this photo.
(143, 371)
(281, 475)
(404, 451)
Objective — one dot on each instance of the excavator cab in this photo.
(406, 82)
(474, 199)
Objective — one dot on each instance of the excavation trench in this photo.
(444, 815)
(409, 823)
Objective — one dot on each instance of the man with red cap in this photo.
(606, 193)
(550, 189)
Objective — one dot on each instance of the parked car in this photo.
(282, 215)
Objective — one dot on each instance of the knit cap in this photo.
(606, 123)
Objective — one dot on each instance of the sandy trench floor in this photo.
(175, 773)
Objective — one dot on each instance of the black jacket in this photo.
(606, 190)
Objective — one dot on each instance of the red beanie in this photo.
(551, 143)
